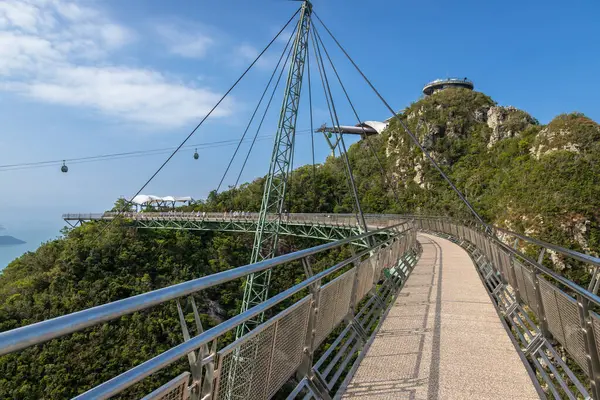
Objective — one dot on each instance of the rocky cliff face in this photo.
(444, 122)
(507, 122)
(540, 180)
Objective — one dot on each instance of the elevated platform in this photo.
(441, 84)
(443, 338)
(329, 227)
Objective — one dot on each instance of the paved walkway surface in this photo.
(442, 339)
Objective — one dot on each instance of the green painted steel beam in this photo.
(307, 230)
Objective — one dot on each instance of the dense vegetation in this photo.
(542, 180)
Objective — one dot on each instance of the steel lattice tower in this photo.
(267, 231)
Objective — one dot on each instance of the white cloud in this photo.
(184, 43)
(284, 37)
(129, 93)
(245, 53)
(59, 51)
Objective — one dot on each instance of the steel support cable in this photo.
(312, 132)
(327, 100)
(262, 120)
(330, 106)
(360, 217)
(404, 126)
(256, 109)
(128, 202)
(367, 140)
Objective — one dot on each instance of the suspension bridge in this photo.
(425, 307)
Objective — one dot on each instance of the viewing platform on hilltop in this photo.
(441, 84)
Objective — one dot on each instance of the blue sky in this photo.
(87, 77)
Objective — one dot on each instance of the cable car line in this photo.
(129, 154)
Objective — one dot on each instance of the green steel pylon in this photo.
(267, 231)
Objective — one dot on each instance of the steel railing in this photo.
(322, 218)
(325, 306)
(543, 309)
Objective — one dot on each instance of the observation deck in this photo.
(441, 84)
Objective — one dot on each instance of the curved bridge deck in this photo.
(443, 338)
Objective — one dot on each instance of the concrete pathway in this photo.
(442, 339)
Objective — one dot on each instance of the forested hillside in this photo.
(540, 180)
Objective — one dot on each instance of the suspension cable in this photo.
(128, 202)
(256, 109)
(263, 117)
(404, 126)
(331, 116)
(312, 132)
(366, 137)
(360, 216)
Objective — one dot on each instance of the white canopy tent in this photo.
(145, 200)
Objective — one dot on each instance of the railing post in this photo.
(590, 345)
(195, 360)
(209, 372)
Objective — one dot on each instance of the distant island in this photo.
(10, 241)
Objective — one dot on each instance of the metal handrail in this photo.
(40, 332)
(587, 258)
(334, 216)
(539, 267)
(567, 252)
(141, 371)
(547, 271)
(517, 291)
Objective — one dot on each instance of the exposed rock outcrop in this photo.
(570, 132)
(506, 122)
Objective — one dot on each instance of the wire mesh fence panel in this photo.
(381, 262)
(526, 285)
(405, 244)
(387, 256)
(253, 365)
(395, 252)
(551, 310)
(563, 320)
(365, 279)
(528, 279)
(176, 389)
(244, 366)
(334, 304)
(574, 339)
(344, 294)
(519, 274)
(326, 309)
(506, 267)
(288, 346)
